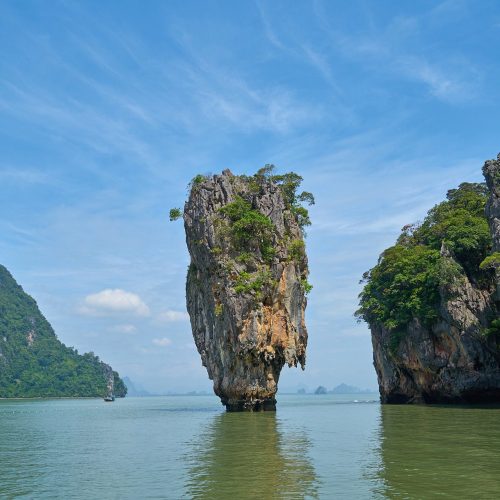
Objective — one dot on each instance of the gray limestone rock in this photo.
(245, 298)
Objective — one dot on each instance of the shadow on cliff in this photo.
(430, 451)
(247, 455)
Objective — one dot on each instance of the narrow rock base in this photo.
(261, 405)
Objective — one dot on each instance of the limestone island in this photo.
(433, 300)
(247, 281)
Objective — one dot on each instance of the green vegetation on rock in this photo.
(248, 235)
(289, 183)
(306, 286)
(297, 250)
(174, 214)
(248, 227)
(452, 242)
(494, 328)
(33, 362)
(491, 262)
(404, 285)
(248, 282)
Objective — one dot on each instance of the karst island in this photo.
(247, 281)
(432, 302)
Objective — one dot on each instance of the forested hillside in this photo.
(34, 363)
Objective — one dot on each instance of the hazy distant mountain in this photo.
(348, 389)
(320, 390)
(134, 391)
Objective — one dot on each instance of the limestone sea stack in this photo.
(247, 282)
(432, 302)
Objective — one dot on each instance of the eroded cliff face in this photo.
(454, 360)
(245, 287)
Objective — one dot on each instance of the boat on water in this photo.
(109, 398)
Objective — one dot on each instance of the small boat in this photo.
(109, 398)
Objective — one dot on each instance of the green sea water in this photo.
(327, 446)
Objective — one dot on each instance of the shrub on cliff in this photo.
(248, 225)
(289, 183)
(491, 262)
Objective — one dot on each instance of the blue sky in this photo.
(108, 109)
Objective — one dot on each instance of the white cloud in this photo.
(127, 328)
(163, 342)
(171, 316)
(112, 301)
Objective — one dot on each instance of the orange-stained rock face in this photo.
(246, 336)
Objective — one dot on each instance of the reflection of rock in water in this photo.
(436, 452)
(247, 455)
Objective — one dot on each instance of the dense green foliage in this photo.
(174, 214)
(405, 284)
(306, 286)
(248, 282)
(249, 228)
(249, 236)
(33, 362)
(289, 183)
(491, 262)
(494, 328)
(460, 223)
(197, 179)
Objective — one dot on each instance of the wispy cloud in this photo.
(399, 49)
(162, 342)
(451, 84)
(172, 316)
(24, 175)
(269, 30)
(320, 62)
(125, 328)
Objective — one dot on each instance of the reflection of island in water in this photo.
(245, 455)
(430, 452)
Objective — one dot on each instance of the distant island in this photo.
(35, 363)
(349, 389)
(339, 389)
(133, 391)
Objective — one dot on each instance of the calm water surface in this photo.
(187, 447)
